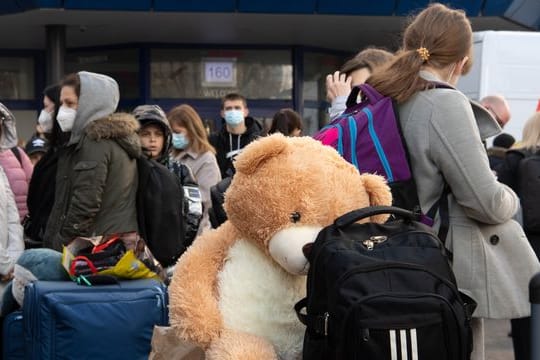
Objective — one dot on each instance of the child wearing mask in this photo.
(156, 140)
(191, 147)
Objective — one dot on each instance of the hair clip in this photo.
(424, 53)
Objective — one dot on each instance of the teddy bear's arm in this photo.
(194, 311)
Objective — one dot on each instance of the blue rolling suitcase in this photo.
(13, 337)
(63, 320)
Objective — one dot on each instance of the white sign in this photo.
(220, 72)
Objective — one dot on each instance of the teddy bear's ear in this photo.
(259, 151)
(379, 194)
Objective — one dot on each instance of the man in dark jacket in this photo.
(238, 130)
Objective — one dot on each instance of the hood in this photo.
(99, 98)
(153, 114)
(487, 125)
(8, 139)
(120, 127)
(496, 151)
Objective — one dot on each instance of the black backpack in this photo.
(383, 292)
(529, 189)
(160, 204)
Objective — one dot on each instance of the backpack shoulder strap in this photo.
(15, 150)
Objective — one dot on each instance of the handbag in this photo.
(124, 256)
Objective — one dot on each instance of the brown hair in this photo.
(232, 97)
(74, 81)
(370, 58)
(186, 116)
(285, 121)
(445, 33)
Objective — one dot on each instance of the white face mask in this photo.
(66, 118)
(45, 121)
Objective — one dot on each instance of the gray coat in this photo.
(493, 260)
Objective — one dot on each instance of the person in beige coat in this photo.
(492, 259)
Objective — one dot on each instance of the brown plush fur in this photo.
(118, 125)
(275, 177)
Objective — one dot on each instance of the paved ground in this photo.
(498, 343)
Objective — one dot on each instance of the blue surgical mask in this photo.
(179, 141)
(234, 118)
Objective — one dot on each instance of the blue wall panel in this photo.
(195, 5)
(277, 6)
(124, 5)
(471, 7)
(350, 7)
(12, 6)
(408, 7)
(496, 7)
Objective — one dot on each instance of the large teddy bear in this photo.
(234, 289)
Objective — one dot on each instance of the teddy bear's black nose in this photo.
(306, 249)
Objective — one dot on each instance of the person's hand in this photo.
(337, 84)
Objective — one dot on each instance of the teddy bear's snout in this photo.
(288, 247)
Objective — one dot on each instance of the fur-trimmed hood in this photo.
(497, 151)
(99, 95)
(120, 127)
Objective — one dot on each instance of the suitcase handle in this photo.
(356, 215)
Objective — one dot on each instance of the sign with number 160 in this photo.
(219, 72)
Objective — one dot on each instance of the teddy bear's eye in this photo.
(295, 217)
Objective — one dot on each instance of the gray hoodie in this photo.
(9, 131)
(98, 98)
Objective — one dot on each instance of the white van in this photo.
(506, 63)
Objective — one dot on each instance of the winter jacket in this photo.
(492, 259)
(496, 157)
(225, 142)
(96, 180)
(41, 196)
(11, 234)
(18, 172)
(508, 173)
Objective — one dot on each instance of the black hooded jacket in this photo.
(225, 142)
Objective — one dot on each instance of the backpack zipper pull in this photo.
(365, 335)
(369, 244)
(374, 240)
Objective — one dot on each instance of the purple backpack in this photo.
(368, 135)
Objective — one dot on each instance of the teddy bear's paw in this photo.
(234, 345)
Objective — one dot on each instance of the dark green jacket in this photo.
(96, 183)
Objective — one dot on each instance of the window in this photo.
(316, 67)
(122, 65)
(211, 74)
(17, 78)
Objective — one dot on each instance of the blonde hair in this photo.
(531, 132)
(186, 116)
(444, 37)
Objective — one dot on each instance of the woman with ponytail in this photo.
(443, 130)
